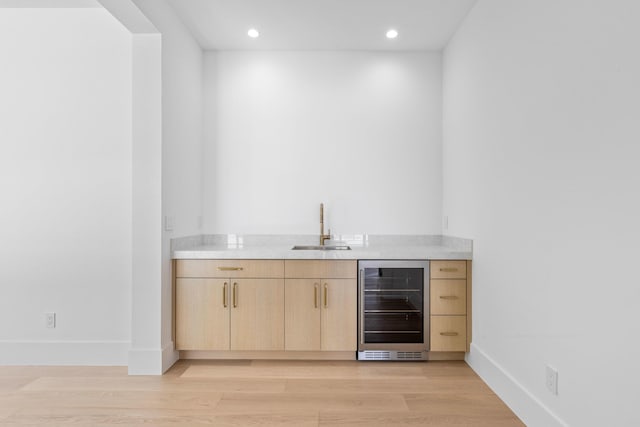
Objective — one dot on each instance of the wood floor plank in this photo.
(9, 384)
(447, 369)
(467, 404)
(156, 383)
(63, 371)
(402, 386)
(189, 401)
(251, 403)
(268, 372)
(275, 420)
(6, 411)
(413, 418)
(95, 383)
(109, 417)
(106, 417)
(306, 369)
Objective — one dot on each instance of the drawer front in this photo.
(230, 268)
(448, 296)
(448, 333)
(320, 269)
(448, 269)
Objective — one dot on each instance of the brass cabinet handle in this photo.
(449, 334)
(448, 297)
(235, 297)
(326, 296)
(224, 294)
(448, 269)
(315, 295)
(230, 268)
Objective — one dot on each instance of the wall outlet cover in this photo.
(50, 320)
(552, 380)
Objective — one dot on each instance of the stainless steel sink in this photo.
(322, 248)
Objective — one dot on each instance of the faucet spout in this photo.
(323, 237)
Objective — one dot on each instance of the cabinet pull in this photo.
(230, 268)
(326, 296)
(224, 294)
(448, 297)
(448, 269)
(315, 295)
(449, 334)
(235, 298)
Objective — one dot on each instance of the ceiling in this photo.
(322, 24)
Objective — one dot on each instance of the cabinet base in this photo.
(299, 355)
(268, 355)
(446, 355)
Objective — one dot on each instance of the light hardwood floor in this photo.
(254, 393)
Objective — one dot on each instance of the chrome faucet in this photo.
(323, 236)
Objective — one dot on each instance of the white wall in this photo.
(65, 186)
(182, 99)
(541, 107)
(359, 131)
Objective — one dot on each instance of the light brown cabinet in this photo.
(449, 306)
(202, 314)
(299, 308)
(222, 305)
(320, 305)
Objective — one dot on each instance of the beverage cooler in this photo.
(393, 307)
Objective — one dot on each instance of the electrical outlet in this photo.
(552, 380)
(50, 320)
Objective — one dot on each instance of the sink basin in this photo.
(322, 248)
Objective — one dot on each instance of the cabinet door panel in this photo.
(311, 269)
(302, 301)
(202, 320)
(257, 314)
(339, 315)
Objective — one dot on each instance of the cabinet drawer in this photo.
(448, 296)
(448, 269)
(315, 269)
(230, 268)
(448, 333)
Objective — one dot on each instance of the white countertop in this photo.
(362, 247)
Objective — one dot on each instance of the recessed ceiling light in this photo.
(253, 33)
(392, 34)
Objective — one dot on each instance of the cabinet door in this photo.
(257, 314)
(202, 314)
(339, 315)
(302, 314)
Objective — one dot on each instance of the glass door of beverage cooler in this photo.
(394, 305)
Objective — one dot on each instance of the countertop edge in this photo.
(279, 247)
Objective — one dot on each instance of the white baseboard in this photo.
(152, 361)
(521, 401)
(64, 353)
(169, 356)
